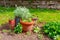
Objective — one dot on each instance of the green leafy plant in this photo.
(57, 37)
(22, 12)
(52, 29)
(36, 29)
(18, 28)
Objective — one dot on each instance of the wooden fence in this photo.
(33, 4)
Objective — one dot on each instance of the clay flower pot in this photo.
(27, 26)
(12, 24)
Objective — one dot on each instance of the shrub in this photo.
(52, 29)
(18, 29)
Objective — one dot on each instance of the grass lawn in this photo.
(43, 14)
(6, 14)
(47, 14)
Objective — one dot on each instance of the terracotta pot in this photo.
(12, 24)
(27, 26)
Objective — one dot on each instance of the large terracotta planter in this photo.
(12, 24)
(27, 26)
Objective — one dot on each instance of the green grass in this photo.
(4, 17)
(43, 14)
(46, 14)
(6, 14)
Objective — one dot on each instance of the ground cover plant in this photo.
(57, 37)
(52, 29)
(36, 29)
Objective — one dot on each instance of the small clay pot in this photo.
(27, 26)
(12, 24)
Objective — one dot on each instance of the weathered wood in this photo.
(33, 3)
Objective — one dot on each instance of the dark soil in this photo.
(22, 36)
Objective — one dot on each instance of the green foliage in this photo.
(52, 29)
(36, 29)
(6, 9)
(18, 28)
(57, 37)
(22, 12)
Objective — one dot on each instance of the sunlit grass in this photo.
(4, 17)
(48, 17)
(43, 14)
(47, 14)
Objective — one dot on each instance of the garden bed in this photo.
(43, 16)
(8, 35)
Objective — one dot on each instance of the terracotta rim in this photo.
(29, 23)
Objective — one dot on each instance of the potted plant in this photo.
(27, 24)
(26, 20)
(12, 23)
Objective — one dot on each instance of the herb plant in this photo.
(18, 28)
(36, 29)
(22, 12)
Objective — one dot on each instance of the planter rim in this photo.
(27, 23)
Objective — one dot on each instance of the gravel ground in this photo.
(23, 36)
